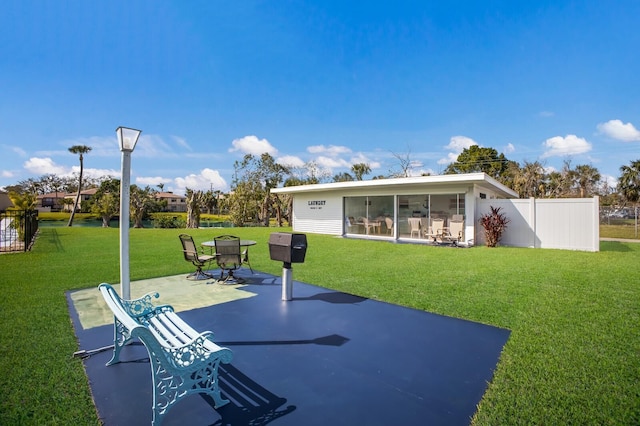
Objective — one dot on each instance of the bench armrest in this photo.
(141, 306)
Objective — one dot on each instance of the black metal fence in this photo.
(18, 229)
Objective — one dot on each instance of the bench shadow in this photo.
(251, 403)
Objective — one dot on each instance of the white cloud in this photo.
(331, 150)
(559, 146)
(611, 181)
(290, 161)
(202, 181)
(101, 146)
(456, 144)
(97, 173)
(616, 129)
(42, 166)
(361, 158)
(152, 146)
(6, 174)
(332, 163)
(151, 181)
(450, 158)
(423, 172)
(252, 145)
(16, 149)
(509, 148)
(182, 142)
(546, 114)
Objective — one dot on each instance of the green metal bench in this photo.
(183, 361)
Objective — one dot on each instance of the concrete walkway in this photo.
(620, 240)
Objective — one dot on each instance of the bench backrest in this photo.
(114, 302)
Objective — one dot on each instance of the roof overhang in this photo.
(481, 179)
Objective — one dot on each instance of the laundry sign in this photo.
(316, 204)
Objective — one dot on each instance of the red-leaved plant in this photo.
(494, 224)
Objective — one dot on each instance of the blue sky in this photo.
(335, 82)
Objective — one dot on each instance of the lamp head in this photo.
(127, 138)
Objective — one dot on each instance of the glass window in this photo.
(368, 215)
(374, 215)
(426, 207)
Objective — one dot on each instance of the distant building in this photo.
(53, 202)
(175, 202)
(5, 201)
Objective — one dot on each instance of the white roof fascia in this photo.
(466, 178)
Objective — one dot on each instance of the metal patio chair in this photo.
(192, 255)
(229, 257)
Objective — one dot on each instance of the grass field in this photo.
(573, 356)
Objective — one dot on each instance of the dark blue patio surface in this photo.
(323, 358)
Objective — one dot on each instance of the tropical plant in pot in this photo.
(494, 224)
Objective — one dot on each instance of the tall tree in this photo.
(586, 179)
(244, 202)
(209, 201)
(477, 159)
(528, 180)
(23, 201)
(54, 184)
(404, 162)
(263, 174)
(559, 183)
(142, 201)
(106, 201)
(80, 150)
(194, 201)
(343, 177)
(360, 169)
(629, 182)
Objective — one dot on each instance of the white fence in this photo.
(561, 223)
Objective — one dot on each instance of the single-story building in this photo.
(416, 209)
(394, 209)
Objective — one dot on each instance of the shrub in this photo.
(494, 224)
(165, 221)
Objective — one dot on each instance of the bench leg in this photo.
(169, 389)
(121, 337)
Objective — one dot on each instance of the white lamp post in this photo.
(127, 139)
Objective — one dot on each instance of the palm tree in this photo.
(81, 150)
(587, 178)
(360, 169)
(528, 180)
(629, 182)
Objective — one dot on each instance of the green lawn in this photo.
(573, 356)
